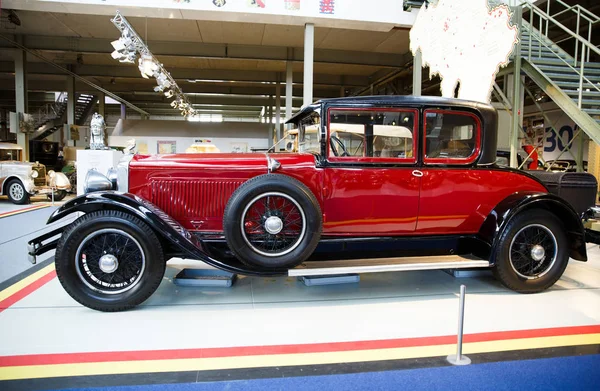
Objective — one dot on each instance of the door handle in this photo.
(417, 173)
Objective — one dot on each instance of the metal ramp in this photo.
(374, 265)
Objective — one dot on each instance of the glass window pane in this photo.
(449, 136)
(371, 133)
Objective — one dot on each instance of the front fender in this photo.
(496, 222)
(164, 226)
(25, 180)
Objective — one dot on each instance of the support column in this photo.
(269, 120)
(101, 103)
(309, 48)
(21, 94)
(278, 110)
(289, 79)
(71, 101)
(123, 111)
(517, 96)
(580, 152)
(4, 125)
(417, 73)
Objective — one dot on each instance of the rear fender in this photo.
(184, 244)
(496, 222)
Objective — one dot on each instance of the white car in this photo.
(19, 180)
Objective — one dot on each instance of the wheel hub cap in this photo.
(273, 225)
(538, 253)
(108, 263)
(16, 192)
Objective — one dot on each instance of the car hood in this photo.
(232, 161)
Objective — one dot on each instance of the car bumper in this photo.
(42, 244)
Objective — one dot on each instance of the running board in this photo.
(374, 265)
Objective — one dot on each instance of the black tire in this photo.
(289, 190)
(515, 265)
(14, 188)
(59, 195)
(77, 278)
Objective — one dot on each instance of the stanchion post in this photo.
(459, 358)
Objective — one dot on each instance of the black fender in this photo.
(184, 244)
(496, 222)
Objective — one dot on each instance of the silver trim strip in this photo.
(376, 265)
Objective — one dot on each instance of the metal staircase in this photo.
(571, 81)
(54, 116)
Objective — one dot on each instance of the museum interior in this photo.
(299, 194)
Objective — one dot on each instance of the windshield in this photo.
(309, 136)
(10, 154)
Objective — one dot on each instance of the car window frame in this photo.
(446, 160)
(374, 159)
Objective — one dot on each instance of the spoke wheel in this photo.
(273, 224)
(110, 261)
(532, 252)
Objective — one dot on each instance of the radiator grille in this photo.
(192, 198)
(41, 178)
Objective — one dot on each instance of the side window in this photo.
(450, 137)
(372, 135)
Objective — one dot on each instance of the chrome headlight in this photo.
(111, 174)
(94, 181)
(34, 174)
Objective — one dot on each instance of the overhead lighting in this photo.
(147, 66)
(129, 58)
(127, 48)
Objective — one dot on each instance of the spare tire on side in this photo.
(272, 221)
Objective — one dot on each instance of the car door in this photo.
(371, 187)
(452, 190)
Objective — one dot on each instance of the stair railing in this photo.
(582, 13)
(537, 15)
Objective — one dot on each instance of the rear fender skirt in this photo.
(183, 244)
(496, 222)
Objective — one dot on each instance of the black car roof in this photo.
(391, 100)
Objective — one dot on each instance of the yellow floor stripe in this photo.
(11, 290)
(29, 209)
(203, 364)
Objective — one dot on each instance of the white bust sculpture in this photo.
(97, 128)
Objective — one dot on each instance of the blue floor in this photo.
(563, 373)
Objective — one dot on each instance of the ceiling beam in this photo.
(180, 74)
(215, 51)
(122, 88)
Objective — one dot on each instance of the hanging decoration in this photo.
(292, 5)
(327, 6)
(129, 46)
(256, 3)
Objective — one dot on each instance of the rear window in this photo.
(451, 137)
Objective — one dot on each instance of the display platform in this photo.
(271, 327)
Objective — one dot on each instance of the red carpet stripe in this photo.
(10, 300)
(71, 358)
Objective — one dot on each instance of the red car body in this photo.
(371, 201)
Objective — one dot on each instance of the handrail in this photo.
(535, 9)
(571, 7)
(588, 81)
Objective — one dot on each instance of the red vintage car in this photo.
(379, 184)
